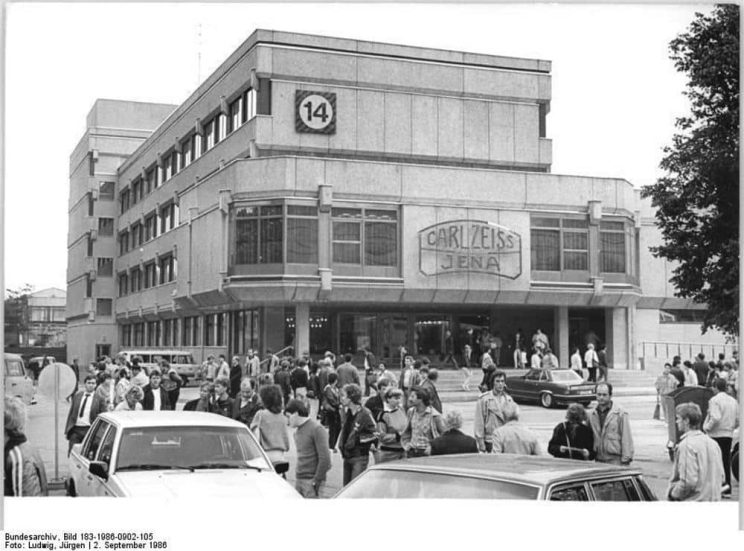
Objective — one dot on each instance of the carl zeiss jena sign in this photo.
(458, 246)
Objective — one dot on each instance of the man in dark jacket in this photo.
(156, 398)
(358, 433)
(79, 416)
(701, 369)
(376, 404)
(236, 373)
(299, 380)
(453, 441)
(281, 378)
(429, 378)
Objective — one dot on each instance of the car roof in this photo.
(11, 356)
(130, 419)
(530, 469)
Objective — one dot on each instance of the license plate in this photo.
(585, 392)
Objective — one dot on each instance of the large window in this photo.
(104, 306)
(258, 232)
(106, 191)
(136, 230)
(105, 226)
(123, 284)
(168, 217)
(187, 151)
(151, 226)
(137, 191)
(139, 334)
(190, 333)
(170, 332)
(559, 244)
(236, 109)
(123, 242)
(126, 335)
(302, 234)
(135, 280)
(249, 105)
(612, 247)
(151, 178)
(150, 275)
(153, 333)
(167, 268)
(105, 267)
(365, 236)
(123, 200)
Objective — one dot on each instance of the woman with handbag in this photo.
(573, 439)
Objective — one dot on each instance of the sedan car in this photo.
(173, 454)
(499, 476)
(551, 387)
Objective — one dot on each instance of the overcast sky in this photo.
(615, 93)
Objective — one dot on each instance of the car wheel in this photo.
(735, 464)
(71, 488)
(546, 400)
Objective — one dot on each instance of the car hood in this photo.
(213, 483)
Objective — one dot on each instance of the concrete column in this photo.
(616, 331)
(560, 321)
(302, 328)
(631, 336)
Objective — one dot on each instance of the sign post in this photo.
(56, 381)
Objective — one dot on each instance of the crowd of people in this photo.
(386, 414)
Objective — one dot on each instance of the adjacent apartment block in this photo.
(335, 194)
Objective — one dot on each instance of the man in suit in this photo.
(156, 398)
(453, 441)
(79, 417)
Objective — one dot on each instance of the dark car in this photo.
(499, 476)
(551, 387)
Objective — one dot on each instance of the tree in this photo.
(697, 200)
(16, 315)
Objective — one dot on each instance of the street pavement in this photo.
(649, 436)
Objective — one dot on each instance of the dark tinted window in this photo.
(94, 441)
(403, 484)
(615, 490)
(571, 493)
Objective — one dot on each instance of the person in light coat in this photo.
(698, 470)
(613, 441)
(720, 423)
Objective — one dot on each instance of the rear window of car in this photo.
(566, 376)
(615, 490)
(183, 359)
(14, 368)
(385, 484)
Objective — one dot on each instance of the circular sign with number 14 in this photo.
(316, 112)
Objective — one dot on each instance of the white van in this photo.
(17, 381)
(182, 361)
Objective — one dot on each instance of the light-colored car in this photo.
(165, 454)
(17, 381)
(499, 476)
(180, 360)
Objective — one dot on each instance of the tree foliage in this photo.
(697, 200)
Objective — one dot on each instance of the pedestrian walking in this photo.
(665, 384)
(540, 341)
(221, 403)
(453, 440)
(429, 378)
(358, 433)
(701, 368)
(79, 417)
(549, 360)
(424, 424)
(391, 422)
(513, 436)
(246, 403)
(311, 444)
(536, 359)
(370, 374)
(299, 380)
(25, 475)
(489, 412)
(172, 382)
(236, 375)
(698, 468)
(376, 403)
(409, 378)
(132, 400)
(283, 380)
(206, 389)
(156, 398)
(489, 368)
(269, 424)
(689, 374)
(591, 360)
(602, 363)
(613, 441)
(347, 373)
(223, 369)
(576, 364)
(331, 409)
(573, 439)
(720, 423)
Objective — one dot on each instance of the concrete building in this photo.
(38, 320)
(328, 193)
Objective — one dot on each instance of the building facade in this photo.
(37, 320)
(334, 194)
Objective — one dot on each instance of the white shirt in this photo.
(156, 405)
(590, 358)
(690, 376)
(576, 361)
(84, 419)
(536, 361)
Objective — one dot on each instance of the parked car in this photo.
(551, 387)
(173, 454)
(17, 380)
(180, 360)
(499, 476)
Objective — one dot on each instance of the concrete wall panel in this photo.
(370, 120)
(450, 128)
(398, 123)
(424, 125)
(476, 129)
(501, 132)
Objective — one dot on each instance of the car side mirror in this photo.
(281, 467)
(100, 469)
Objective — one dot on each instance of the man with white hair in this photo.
(513, 436)
(453, 440)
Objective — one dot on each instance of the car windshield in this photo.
(379, 483)
(188, 447)
(566, 376)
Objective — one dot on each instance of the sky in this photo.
(615, 92)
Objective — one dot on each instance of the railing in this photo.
(686, 350)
